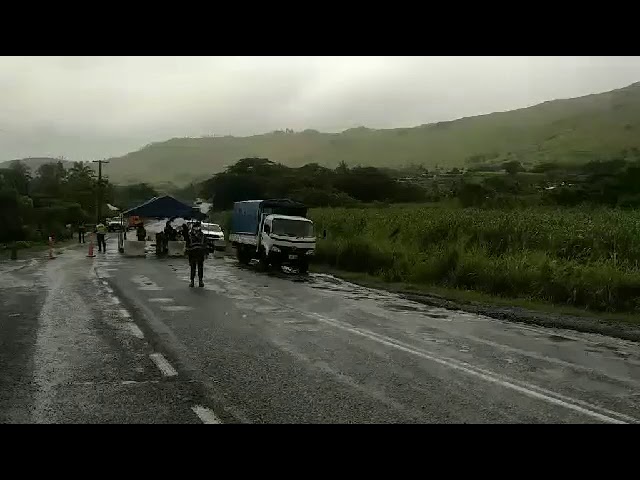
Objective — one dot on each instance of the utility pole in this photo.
(99, 206)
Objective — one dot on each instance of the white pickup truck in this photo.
(214, 236)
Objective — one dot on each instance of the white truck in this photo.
(275, 232)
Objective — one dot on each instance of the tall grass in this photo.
(587, 258)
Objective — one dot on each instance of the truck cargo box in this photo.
(245, 218)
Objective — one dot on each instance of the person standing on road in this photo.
(185, 234)
(101, 232)
(169, 235)
(81, 231)
(141, 232)
(196, 252)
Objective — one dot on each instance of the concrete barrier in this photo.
(134, 248)
(176, 249)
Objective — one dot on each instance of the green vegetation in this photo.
(574, 131)
(55, 201)
(34, 207)
(255, 178)
(566, 234)
(571, 256)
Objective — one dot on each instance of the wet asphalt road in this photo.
(68, 355)
(118, 339)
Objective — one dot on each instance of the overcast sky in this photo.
(97, 105)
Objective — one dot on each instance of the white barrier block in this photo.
(176, 249)
(134, 248)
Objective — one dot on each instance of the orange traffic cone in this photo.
(91, 254)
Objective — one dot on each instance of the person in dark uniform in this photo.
(169, 235)
(170, 232)
(196, 250)
(141, 233)
(81, 231)
(185, 234)
(101, 231)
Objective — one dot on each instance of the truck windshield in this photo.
(292, 228)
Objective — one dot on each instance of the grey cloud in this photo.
(101, 106)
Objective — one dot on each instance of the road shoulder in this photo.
(625, 327)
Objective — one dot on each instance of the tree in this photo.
(21, 177)
(512, 167)
(342, 168)
(81, 187)
(50, 179)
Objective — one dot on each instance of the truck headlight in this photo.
(275, 249)
(310, 252)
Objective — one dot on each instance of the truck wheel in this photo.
(242, 255)
(303, 267)
(274, 263)
(263, 261)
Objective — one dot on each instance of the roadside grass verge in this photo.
(521, 310)
(566, 257)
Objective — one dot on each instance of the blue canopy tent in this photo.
(165, 207)
(162, 207)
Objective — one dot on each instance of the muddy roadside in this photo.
(625, 327)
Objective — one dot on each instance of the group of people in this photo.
(195, 246)
(101, 233)
(193, 237)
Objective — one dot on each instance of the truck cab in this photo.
(276, 232)
(288, 240)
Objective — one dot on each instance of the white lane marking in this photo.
(529, 390)
(161, 300)
(206, 415)
(176, 308)
(124, 313)
(545, 358)
(138, 382)
(135, 330)
(163, 365)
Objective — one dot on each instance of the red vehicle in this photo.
(133, 221)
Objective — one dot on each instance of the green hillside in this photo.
(578, 129)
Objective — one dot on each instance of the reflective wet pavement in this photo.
(278, 347)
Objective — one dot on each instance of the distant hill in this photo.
(578, 129)
(35, 162)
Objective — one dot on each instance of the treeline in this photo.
(612, 183)
(34, 206)
(54, 200)
(255, 178)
